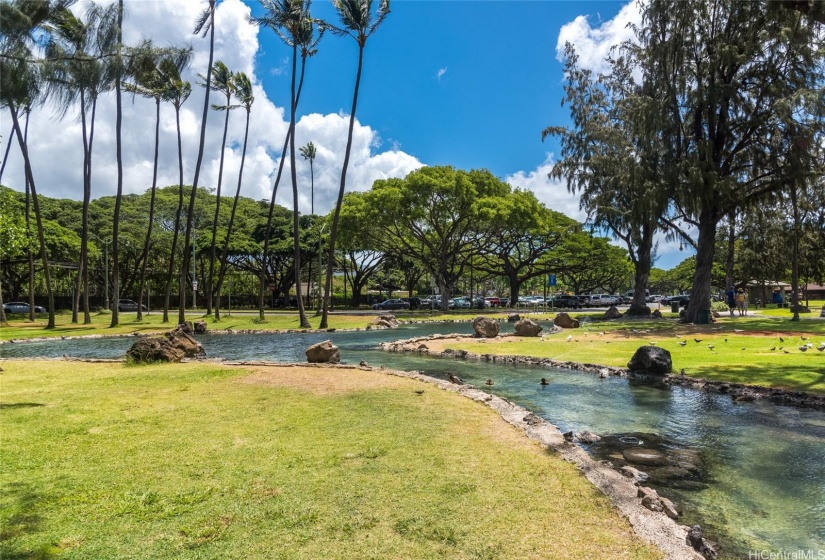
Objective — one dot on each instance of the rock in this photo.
(650, 498)
(644, 456)
(323, 353)
(612, 313)
(651, 359)
(656, 314)
(586, 437)
(669, 508)
(485, 327)
(186, 327)
(200, 327)
(716, 314)
(172, 347)
(513, 317)
(700, 544)
(528, 327)
(386, 321)
(565, 321)
(634, 473)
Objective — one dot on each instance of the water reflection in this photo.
(760, 479)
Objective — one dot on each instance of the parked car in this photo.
(603, 300)
(21, 307)
(565, 301)
(129, 305)
(459, 303)
(495, 301)
(584, 299)
(427, 303)
(655, 298)
(392, 304)
(480, 303)
(683, 300)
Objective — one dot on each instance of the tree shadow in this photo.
(22, 503)
(791, 377)
(20, 405)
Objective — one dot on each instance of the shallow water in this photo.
(758, 482)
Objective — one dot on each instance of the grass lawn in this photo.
(208, 461)
(20, 327)
(745, 350)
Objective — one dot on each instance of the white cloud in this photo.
(552, 192)
(593, 44)
(440, 73)
(56, 146)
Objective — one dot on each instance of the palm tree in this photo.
(118, 72)
(222, 82)
(20, 86)
(308, 152)
(177, 92)
(151, 82)
(205, 24)
(291, 21)
(242, 89)
(76, 73)
(358, 23)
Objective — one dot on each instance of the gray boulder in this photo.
(323, 353)
(485, 327)
(528, 327)
(200, 327)
(565, 321)
(172, 347)
(612, 313)
(651, 359)
(513, 317)
(385, 321)
(186, 327)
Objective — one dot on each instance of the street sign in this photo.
(551, 279)
(194, 285)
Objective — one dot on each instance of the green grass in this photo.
(20, 328)
(202, 461)
(745, 350)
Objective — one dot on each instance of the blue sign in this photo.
(551, 279)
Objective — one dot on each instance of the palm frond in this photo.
(205, 20)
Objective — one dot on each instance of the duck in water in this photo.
(544, 381)
(489, 382)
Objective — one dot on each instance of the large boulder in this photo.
(186, 327)
(565, 321)
(200, 327)
(173, 346)
(513, 318)
(651, 359)
(485, 327)
(612, 313)
(528, 327)
(323, 353)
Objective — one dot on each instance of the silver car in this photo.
(21, 307)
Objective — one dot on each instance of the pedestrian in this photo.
(742, 302)
(731, 299)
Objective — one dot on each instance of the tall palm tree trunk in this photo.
(190, 216)
(87, 196)
(37, 215)
(29, 225)
(171, 270)
(262, 285)
(296, 230)
(147, 240)
(225, 252)
(6, 154)
(217, 214)
(334, 231)
(84, 227)
(119, 157)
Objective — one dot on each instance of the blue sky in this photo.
(465, 83)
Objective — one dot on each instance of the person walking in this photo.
(731, 299)
(742, 302)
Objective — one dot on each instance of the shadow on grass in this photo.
(21, 503)
(790, 377)
(20, 405)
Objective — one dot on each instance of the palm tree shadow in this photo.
(20, 405)
(23, 519)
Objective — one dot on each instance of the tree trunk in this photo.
(641, 275)
(729, 279)
(217, 214)
(6, 155)
(87, 197)
(171, 269)
(333, 234)
(795, 259)
(225, 252)
(119, 157)
(28, 227)
(37, 215)
(515, 288)
(700, 293)
(190, 215)
(147, 240)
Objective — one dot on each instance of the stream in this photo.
(752, 474)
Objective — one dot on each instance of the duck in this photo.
(544, 381)
(489, 382)
(456, 379)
